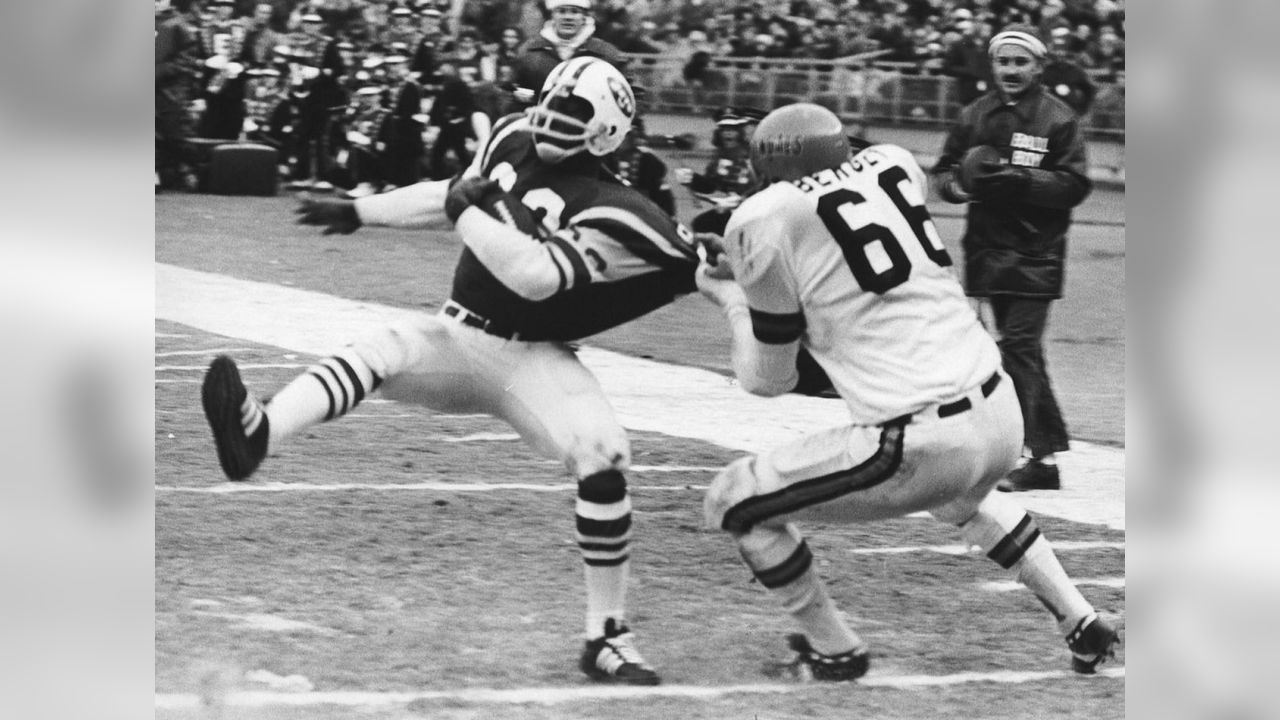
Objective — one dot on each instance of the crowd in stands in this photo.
(336, 83)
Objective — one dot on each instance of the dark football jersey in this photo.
(620, 255)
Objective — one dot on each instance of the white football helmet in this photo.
(586, 104)
(798, 140)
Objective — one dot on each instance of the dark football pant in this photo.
(1021, 323)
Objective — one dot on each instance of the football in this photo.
(970, 165)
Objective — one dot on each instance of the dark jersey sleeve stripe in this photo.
(496, 136)
(775, 329)
(637, 244)
(581, 274)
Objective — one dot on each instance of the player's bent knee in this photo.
(735, 483)
(609, 451)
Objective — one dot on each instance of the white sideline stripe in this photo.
(179, 381)
(172, 335)
(554, 695)
(234, 487)
(1012, 585)
(647, 395)
(966, 550)
(210, 351)
(247, 366)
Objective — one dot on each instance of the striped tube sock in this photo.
(603, 513)
(782, 562)
(1008, 535)
(327, 390)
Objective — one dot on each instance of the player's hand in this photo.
(338, 216)
(997, 181)
(683, 175)
(710, 248)
(465, 192)
(718, 288)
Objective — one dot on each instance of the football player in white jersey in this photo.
(838, 254)
(604, 255)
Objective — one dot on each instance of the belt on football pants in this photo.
(956, 407)
(964, 403)
(479, 322)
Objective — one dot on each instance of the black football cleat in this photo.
(613, 659)
(1092, 643)
(230, 409)
(1035, 475)
(811, 664)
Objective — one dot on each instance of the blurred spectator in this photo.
(386, 135)
(223, 51)
(1052, 17)
(403, 28)
(473, 64)
(642, 41)
(1064, 77)
(728, 178)
(569, 32)
(315, 68)
(177, 68)
(451, 116)
(636, 164)
(1107, 56)
(891, 34)
(967, 61)
(262, 37)
(432, 44)
(505, 56)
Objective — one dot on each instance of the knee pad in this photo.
(735, 483)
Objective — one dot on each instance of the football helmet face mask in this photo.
(798, 140)
(585, 105)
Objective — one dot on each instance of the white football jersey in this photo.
(849, 262)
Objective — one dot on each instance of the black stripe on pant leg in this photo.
(346, 400)
(790, 569)
(1013, 546)
(328, 391)
(356, 385)
(874, 470)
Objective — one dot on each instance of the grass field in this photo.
(405, 564)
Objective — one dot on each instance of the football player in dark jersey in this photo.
(591, 254)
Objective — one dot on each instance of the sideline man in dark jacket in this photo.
(1015, 241)
(569, 32)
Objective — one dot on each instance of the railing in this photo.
(858, 89)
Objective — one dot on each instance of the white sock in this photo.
(326, 391)
(1007, 534)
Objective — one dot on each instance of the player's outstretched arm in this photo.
(413, 207)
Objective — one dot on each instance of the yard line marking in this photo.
(554, 695)
(482, 437)
(268, 622)
(228, 488)
(647, 395)
(213, 351)
(180, 381)
(247, 366)
(1012, 585)
(966, 550)
(172, 335)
